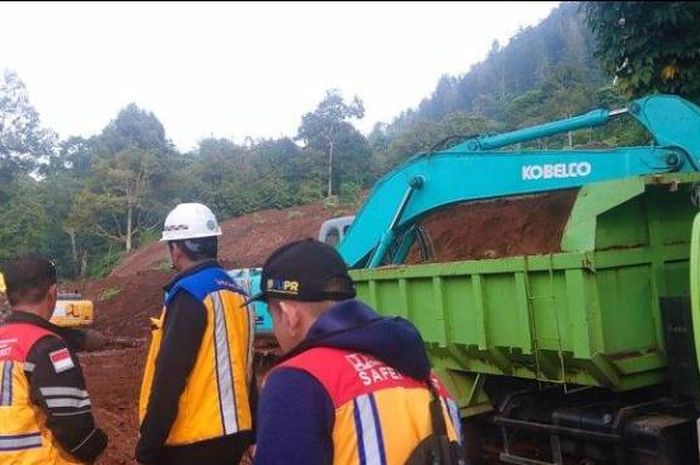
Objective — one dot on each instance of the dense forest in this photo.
(87, 201)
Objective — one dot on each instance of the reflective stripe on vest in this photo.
(224, 375)
(369, 431)
(380, 414)
(6, 389)
(20, 442)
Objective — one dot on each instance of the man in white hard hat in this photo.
(197, 391)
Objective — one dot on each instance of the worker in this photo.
(197, 389)
(352, 387)
(45, 409)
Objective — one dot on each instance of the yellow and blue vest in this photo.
(380, 414)
(215, 400)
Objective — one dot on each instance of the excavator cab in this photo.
(333, 231)
(249, 280)
(71, 309)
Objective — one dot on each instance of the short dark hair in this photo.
(204, 248)
(28, 279)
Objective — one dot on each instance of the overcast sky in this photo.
(237, 69)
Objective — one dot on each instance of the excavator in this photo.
(588, 355)
(71, 309)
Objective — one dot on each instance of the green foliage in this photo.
(104, 263)
(23, 220)
(326, 129)
(119, 201)
(425, 135)
(649, 46)
(351, 194)
(108, 294)
(165, 265)
(149, 236)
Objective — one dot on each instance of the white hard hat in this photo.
(190, 221)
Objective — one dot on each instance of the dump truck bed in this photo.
(589, 315)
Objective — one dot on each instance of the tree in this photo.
(323, 126)
(23, 141)
(128, 180)
(135, 127)
(23, 220)
(120, 201)
(649, 46)
(565, 93)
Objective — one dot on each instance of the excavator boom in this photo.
(478, 169)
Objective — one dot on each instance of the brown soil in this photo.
(113, 379)
(528, 225)
(136, 298)
(247, 240)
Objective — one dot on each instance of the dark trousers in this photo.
(221, 451)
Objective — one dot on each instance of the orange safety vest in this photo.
(24, 437)
(380, 414)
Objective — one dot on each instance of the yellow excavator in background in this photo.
(71, 309)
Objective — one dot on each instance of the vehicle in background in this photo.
(71, 309)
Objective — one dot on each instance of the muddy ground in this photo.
(113, 378)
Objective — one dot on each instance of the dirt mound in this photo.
(247, 240)
(526, 225)
(123, 305)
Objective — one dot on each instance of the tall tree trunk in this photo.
(330, 168)
(74, 249)
(83, 265)
(129, 214)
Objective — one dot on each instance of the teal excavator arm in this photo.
(475, 170)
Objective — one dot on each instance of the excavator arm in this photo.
(478, 169)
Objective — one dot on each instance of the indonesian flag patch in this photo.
(61, 360)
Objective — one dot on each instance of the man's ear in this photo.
(51, 298)
(289, 314)
(53, 292)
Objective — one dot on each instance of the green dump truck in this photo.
(582, 356)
